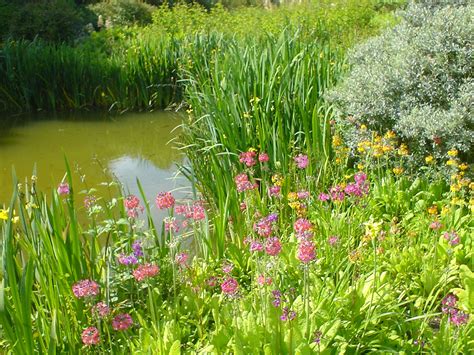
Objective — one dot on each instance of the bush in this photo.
(415, 79)
(50, 20)
(123, 12)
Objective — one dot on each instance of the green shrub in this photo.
(123, 12)
(416, 79)
(50, 20)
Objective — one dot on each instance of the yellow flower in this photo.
(15, 219)
(453, 153)
(292, 196)
(445, 210)
(336, 141)
(455, 187)
(338, 160)
(397, 170)
(429, 159)
(433, 209)
(463, 166)
(4, 214)
(452, 162)
(377, 139)
(277, 180)
(360, 166)
(390, 135)
(387, 148)
(363, 128)
(403, 150)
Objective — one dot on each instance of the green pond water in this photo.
(99, 148)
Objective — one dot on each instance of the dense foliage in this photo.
(417, 79)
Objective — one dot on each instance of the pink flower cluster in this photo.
(306, 251)
(264, 226)
(452, 238)
(303, 228)
(132, 205)
(90, 336)
(196, 211)
(274, 191)
(63, 188)
(101, 309)
(243, 183)
(145, 271)
(164, 200)
(273, 246)
(85, 288)
(456, 316)
(181, 259)
(359, 188)
(262, 280)
(122, 321)
(301, 161)
(230, 286)
(249, 157)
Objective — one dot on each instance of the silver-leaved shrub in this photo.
(415, 79)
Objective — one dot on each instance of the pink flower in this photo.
(85, 288)
(248, 158)
(436, 225)
(122, 321)
(459, 318)
(262, 280)
(323, 197)
(306, 251)
(302, 195)
(274, 191)
(452, 238)
(199, 213)
(145, 271)
(227, 268)
(123, 259)
(230, 286)
(63, 188)
(336, 193)
(212, 281)
(333, 240)
(256, 246)
(273, 246)
(301, 161)
(449, 302)
(360, 178)
(243, 206)
(89, 201)
(183, 210)
(263, 227)
(303, 228)
(132, 204)
(171, 225)
(90, 336)
(263, 157)
(164, 200)
(101, 309)
(181, 259)
(243, 183)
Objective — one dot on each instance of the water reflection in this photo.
(128, 147)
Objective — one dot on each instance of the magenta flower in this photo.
(85, 288)
(181, 259)
(183, 210)
(306, 251)
(63, 188)
(122, 321)
(137, 249)
(263, 157)
(449, 303)
(360, 178)
(452, 238)
(263, 227)
(145, 271)
(303, 228)
(243, 183)
(333, 240)
(248, 158)
(302, 195)
(273, 246)
(199, 213)
(274, 191)
(227, 268)
(132, 205)
(301, 161)
(90, 336)
(336, 193)
(212, 281)
(287, 314)
(323, 197)
(165, 200)
(459, 318)
(262, 280)
(255, 246)
(230, 286)
(435, 225)
(101, 309)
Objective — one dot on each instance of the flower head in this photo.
(181, 259)
(101, 309)
(145, 271)
(263, 157)
(273, 246)
(306, 252)
(301, 161)
(452, 238)
(85, 288)
(63, 188)
(230, 286)
(122, 321)
(164, 200)
(90, 336)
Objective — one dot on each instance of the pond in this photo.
(99, 148)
